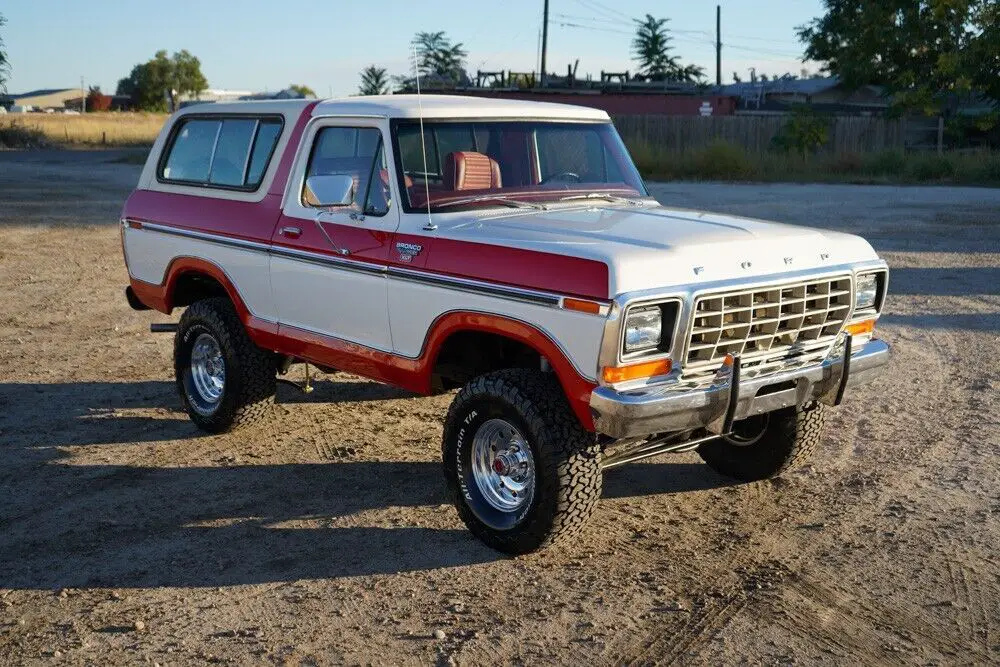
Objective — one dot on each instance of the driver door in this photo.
(328, 262)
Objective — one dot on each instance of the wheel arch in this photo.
(450, 325)
(189, 279)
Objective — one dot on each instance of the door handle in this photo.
(291, 232)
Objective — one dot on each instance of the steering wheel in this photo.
(561, 176)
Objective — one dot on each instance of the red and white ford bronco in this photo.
(508, 249)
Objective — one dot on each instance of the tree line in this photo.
(442, 63)
(926, 54)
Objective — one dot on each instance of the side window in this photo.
(228, 153)
(190, 155)
(358, 153)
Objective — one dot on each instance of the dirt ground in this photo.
(127, 537)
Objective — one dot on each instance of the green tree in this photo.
(4, 63)
(651, 49)
(187, 75)
(153, 85)
(374, 81)
(304, 91)
(436, 55)
(919, 50)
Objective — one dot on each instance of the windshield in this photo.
(481, 163)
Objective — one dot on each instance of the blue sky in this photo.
(263, 44)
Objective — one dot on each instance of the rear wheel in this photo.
(523, 472)
(224, 380)
(767, 445)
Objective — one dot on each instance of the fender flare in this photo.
(576, 387)
(161, 297)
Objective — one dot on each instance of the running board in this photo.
(168, 327)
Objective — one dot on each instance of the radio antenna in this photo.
(430, 226)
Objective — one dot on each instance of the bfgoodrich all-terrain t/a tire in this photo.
(768, 445)
(224, 380)
(523, 471)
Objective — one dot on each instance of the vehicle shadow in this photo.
(650, 479)
(64, 524)
(124, 526)
(102, 413)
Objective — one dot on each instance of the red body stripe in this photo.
(520, 268)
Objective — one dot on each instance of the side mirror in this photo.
(329, 190)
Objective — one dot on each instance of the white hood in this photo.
(659, 247)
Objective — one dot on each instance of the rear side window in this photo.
(220, 152)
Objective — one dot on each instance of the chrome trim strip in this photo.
(201, 236)
(477, 287)
(331, 261)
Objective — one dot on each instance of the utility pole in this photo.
(718, 45)
(545, 38)
(83, 97)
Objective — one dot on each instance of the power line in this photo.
(566, 24)
(587, 4)
(770, 52)
(595, 19)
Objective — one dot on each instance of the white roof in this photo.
(408, 106)
(453, 106)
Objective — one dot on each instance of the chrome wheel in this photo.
(503, 466)
(208, 373)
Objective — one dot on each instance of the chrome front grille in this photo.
(771, 328)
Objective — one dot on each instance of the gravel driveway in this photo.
(128, 537)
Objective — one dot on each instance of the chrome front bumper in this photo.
(670, 408)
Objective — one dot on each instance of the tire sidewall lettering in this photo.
(460, 447)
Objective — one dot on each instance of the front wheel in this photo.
(523, 472)
(766, 445)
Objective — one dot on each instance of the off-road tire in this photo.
(250, 383)
(788, 442)
(566, 457)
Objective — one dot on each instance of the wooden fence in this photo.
(849, 134)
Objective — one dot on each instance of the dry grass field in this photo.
(93, 129)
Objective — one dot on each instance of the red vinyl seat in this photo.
(468, 170)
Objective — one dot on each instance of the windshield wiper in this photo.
(607, 196)
(499, 199)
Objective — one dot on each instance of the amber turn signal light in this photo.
(648, 369)
(582, 306)
(861, 328)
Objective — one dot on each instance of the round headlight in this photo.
(643, 329)
(866, 291)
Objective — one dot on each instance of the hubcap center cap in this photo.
(502, 465)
